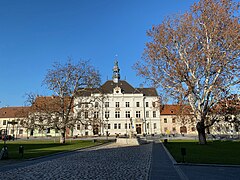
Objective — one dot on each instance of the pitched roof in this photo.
(14, 112)
(148, 91)
(108, 86)
(175, 109)
(49, 103)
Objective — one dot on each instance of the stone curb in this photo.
(209, 165)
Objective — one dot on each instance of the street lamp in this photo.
(131, 127)
(107, 127)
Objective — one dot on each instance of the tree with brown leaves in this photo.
(196, 55)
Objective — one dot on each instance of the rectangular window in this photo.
(129, 125)
(127, 114)
(96, 115)
(119, 126)
(154, 114)
(115, 126)
(174, 129)
(106, 104)
(155, 126)
(4, 122)
(56, 130)
(86, 115)
(153, 104)
(109, 126)
(147, 114)
(86, 105)
(137, 104)
(125, 125)
(165, 120)
(127, 104)
(147, 125)
(78, 127)
(147, 104)
(106, 114)
(86, 126)
(20, 131)
(173, 120)
(117, 104)
(117, 114)
(138, 114)
(96, 104)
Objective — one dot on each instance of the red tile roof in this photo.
(14, 112)
(49, 103)
(175, 109)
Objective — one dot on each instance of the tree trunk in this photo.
(201, 133)
(62, 138)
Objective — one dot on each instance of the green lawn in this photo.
(216, 152)
(37, 148)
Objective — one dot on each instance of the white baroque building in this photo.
(117, 108)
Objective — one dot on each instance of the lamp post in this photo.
(107, 127)
(131, 127)
(126, 127)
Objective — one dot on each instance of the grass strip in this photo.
(214, 152)
(38, 148)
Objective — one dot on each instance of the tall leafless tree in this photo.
(65, 81)
(196, 55)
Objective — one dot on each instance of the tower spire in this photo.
(116, 71)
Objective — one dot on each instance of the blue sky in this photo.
(36, 33)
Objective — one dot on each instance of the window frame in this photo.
(138, 114)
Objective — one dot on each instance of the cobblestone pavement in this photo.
(108, 162)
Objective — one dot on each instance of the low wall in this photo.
(127, 141)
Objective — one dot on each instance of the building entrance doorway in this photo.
(183, 129)
(95, 129)
(139, 128)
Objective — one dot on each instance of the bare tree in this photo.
(196, 55)
(89, 109)
(65, 81)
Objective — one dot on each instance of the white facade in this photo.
(118, 110)
(121, 109)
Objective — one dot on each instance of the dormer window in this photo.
(117, 90)
(172, 111)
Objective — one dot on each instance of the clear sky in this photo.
(36, 33)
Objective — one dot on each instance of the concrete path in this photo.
(203, 172)
(162, 166)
